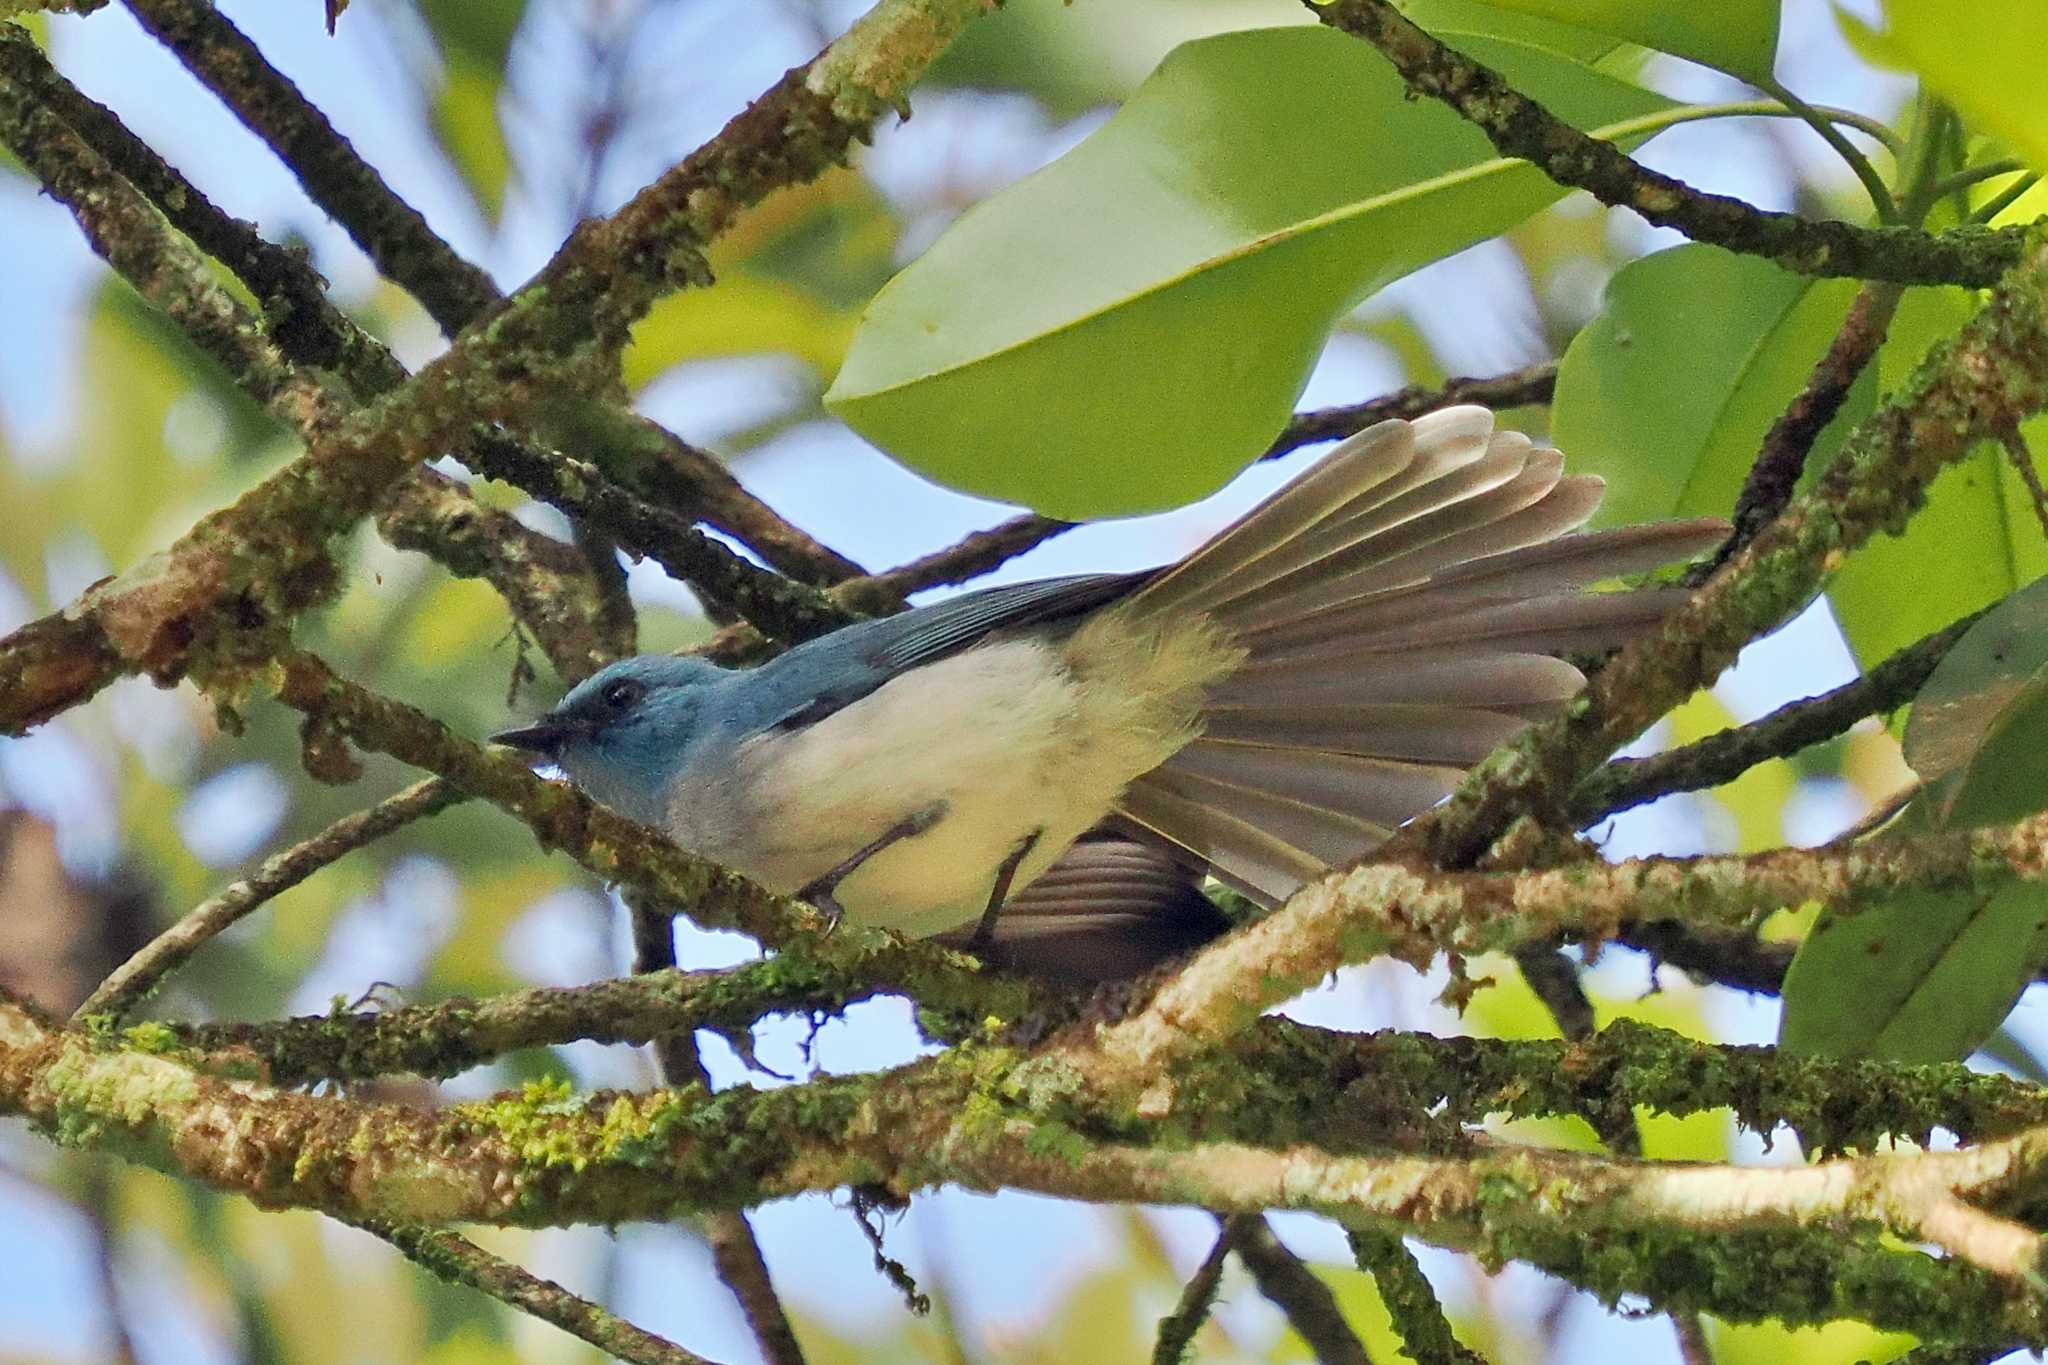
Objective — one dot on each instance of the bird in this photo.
(1047, 773)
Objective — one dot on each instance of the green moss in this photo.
(1056, 1140)
(151, 1037)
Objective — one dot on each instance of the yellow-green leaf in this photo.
(1983, 56)
(1737, 36)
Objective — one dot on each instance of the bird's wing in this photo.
(931, 633)
(861, 658)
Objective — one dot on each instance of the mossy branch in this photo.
(260, 562)
(1796, 1243)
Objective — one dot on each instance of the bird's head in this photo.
(623, 733)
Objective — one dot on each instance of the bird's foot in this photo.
(985, 932)
(822, 892)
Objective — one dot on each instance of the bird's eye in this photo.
(623, 693)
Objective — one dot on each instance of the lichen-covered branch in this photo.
(1519, 127)
(1411, 1301)
(654, 462)
(1396, 909)
(1795, 1243)
(259, 562)
(458, 1260)
(548, 586)
(286, 364)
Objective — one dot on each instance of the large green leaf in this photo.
(1738, 36)
(1127, 328)
(1975, 540)
(1978, 736)
(1668, 393)
(1930, 975)
(1983, 56)
(1925, 977)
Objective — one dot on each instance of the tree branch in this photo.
(1623, 783)
(1310, 1307)
(1177, 1329)
(1519, 127)
(458, 1260)
(263, 560)
(1793, 1243)
(1392, 908)
(1774, 476)
(1411, 1301)
(734, 1251)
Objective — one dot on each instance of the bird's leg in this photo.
(985, 932)
(819, 891)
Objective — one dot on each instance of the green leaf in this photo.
(475, 37)
(1772, 1343)
(1978, 735)
(1982, 56)
(1737, 36)
(1668, 393)
(1976, 540)
(465, 122)
(1127, 328)
(1925, 977)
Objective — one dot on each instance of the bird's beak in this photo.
(543, 737)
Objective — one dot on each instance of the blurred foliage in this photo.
(1668, 382)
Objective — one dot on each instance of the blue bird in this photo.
(1047, 771)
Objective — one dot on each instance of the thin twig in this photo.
(1774, 476)
(130, 983)
(1411, 1300)
(1519, 127)
(1197, 1298)
(1310, 1305)
(1516, 389)
(1693, 1346)
(2023, 463)
(1623, 783)
(456, 1259)
(390, 231)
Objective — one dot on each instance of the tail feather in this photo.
(1433, 497)
(1382, 791)
(1416, 731)
(1242, 855)
(1450, 677)
(1401, 607)
(1363, 463)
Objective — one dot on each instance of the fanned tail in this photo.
(1403, 606)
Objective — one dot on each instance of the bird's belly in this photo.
(995, 741)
